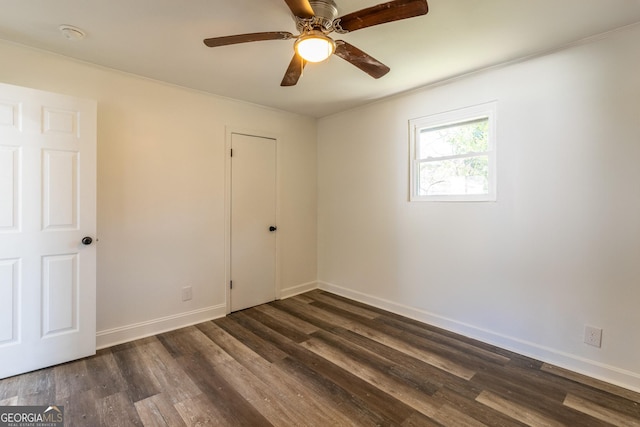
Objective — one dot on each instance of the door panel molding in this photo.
(48, 156)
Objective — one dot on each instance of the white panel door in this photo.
(253, 217)
(47, 207)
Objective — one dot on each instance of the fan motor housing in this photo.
(326, 11)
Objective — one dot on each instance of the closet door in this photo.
(253, 221)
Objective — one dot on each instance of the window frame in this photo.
(460, 116)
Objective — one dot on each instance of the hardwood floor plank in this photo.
(418, 352)
(611, 402)
(533, 400)
(309, 313)
(346, 300)
(369, 410)
(532, 382)
(470, 359)
(71, 378)
(450, 342)
(474, 409)
(271, 401)
(189, 341)
(265, 349)
(402, 392)
(116, 410)
(229, 343)
(592, 382)
(340, 319)
(363, 397)
(104, 374)
(201, 411)
(406, 366)
(442, 332)
(265, 386)
(419, 420)
(287, 319)
(450, 416)
(229, 403)
(10, 387)
(600, 412)
(37, 388)
(343, 305)
(387, 366)
(516, 411)
(303, 298)
(141, 383)
(9, 401)
(80, 408)
(332, 414)
(549, 385)
(158, 411)
(277, 326)
(171, 379)
(332, 394)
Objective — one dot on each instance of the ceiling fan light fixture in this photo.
(314, 46)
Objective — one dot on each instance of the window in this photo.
(453, 155)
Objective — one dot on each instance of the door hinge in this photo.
(230, 284)
(231, 151)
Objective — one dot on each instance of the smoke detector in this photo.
(72, 33)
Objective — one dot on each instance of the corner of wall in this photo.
(298, 289)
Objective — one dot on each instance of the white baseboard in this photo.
(611, 374)
(123, 334)
(115, 336)
(298, 289)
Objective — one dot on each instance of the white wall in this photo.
(161, 186)
(560, 249)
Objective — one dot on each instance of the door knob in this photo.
(272, 228)
(87, 240)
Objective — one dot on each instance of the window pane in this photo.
(454, 177)
(455, 139)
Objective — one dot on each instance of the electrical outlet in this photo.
(593, 336)
(186, 293)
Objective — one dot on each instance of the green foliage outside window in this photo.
(453, 158)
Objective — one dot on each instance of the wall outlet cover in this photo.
(593, 336)
(187, 293)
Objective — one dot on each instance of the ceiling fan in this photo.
(315, 19)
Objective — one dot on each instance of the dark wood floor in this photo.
(318, 360)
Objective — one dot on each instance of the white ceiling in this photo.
(162, 39)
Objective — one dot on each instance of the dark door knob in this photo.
(87, 240)
(272, 228)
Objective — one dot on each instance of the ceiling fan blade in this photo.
(293, 73)
(300, 8)
(365, 62)
(381, 14)
(244, 38)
